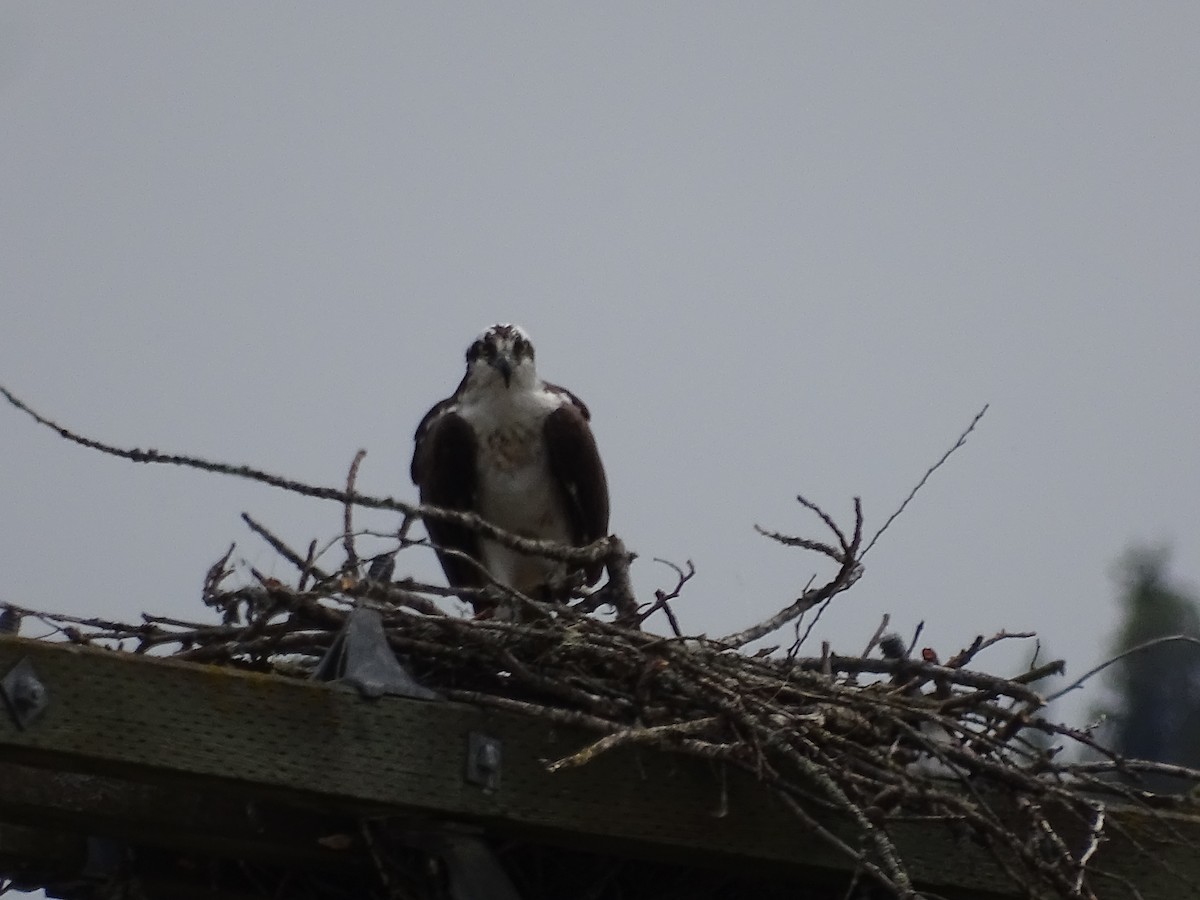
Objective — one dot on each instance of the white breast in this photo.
(517, 490)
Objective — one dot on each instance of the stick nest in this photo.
(871, 740)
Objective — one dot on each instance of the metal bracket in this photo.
(26, 695)
(10, 621)
(484, 756)
(361, 657)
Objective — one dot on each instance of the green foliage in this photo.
(1156, 709)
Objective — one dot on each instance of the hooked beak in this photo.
(503, 363)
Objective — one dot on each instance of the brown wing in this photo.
(575, 464)
(443, 469)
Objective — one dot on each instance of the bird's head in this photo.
(501, 356)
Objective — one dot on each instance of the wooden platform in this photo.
(182, 766)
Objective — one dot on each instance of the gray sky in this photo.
(777, 249)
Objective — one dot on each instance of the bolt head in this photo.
(28, 693)
(489, 757)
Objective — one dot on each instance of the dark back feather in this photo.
(576, 466)
(443, 469)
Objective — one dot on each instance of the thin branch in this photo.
(794, 650)
(980, 644)
(1095, 835)
(1145, 645)
(658, 734)
(608, 550)
(351, 563)
(662, 599)
(962, 439)
(875, 638)
(303, 564)
(845, 578)
(308, 570)
(912, 644)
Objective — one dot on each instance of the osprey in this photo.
(519, 452)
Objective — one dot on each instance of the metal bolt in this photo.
(28, 693)
(25, 693)
(483, 760)
(489, 759)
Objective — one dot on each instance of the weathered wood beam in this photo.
(162, 721)
(169, 725)
(219, 823)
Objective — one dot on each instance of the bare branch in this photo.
(962, 439)
(794, 650)
(847, 575)
(663, 598)
(607, 550)
(658, 734)
(1145, 645)
(351, 563)
(303, 564)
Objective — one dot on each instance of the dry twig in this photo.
(962, 439)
